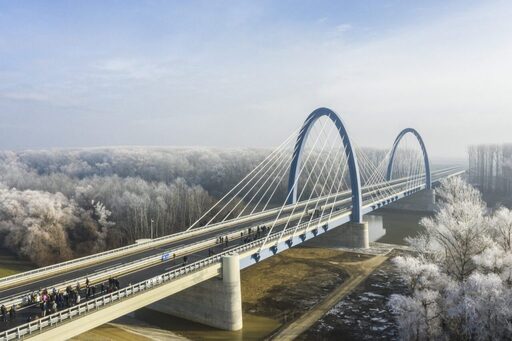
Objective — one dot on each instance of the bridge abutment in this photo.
(216, 302)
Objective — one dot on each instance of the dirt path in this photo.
(358, 271)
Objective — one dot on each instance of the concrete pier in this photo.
(423, 201)
(349, 235)
(216, 302)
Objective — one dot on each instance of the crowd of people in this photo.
(51, 301)
(11, 312)
(253, 234)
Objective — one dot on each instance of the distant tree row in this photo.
(490, 168)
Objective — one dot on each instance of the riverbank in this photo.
(363, 314)
(358, 272)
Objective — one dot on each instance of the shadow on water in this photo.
(393, 227)
(255, 327)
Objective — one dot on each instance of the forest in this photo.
(60, 204)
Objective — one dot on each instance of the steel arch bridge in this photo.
(251, 237)
(355, 180)
(428, 180)
(350, 153)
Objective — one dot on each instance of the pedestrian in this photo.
(12, 313)
(227, 241)
(185, 258)
(43, 308)
(3, 310)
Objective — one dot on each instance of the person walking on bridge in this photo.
(3, 311)
(12, 312)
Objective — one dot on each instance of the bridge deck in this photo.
(196, 249)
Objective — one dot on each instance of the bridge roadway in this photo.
(109, 263)
(145, 249)
(195, 248)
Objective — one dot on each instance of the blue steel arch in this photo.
(428, 184)
(353, 167)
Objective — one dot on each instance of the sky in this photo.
(247, 73)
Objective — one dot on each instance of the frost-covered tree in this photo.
(460, 276)
(46, 227)
(129, 188)
(458, 232)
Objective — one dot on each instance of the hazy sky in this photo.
(246, 73)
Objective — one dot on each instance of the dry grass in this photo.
(294, 267)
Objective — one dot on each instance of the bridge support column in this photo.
(356, 235)
(216, 302)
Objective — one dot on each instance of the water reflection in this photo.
(255, 327)
(393, 227)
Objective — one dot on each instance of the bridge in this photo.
(316, 182)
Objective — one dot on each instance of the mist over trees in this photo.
(490, 168)
(461, 277)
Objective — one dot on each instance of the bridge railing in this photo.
(118, 251)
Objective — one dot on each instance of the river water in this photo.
(393, 227)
